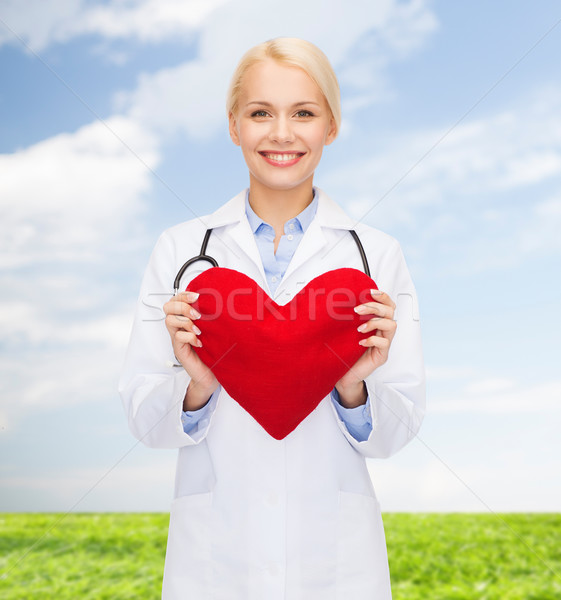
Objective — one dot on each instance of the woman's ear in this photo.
(331, 132)
(232, 126)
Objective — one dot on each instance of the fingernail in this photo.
(361, 328)
(376, 292)
(196, 330)
(199, 343)
(195, 314)
(193, 296)
(360, 309)
(362, 342)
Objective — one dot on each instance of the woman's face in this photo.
(282, 124)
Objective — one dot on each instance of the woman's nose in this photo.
(281, 130)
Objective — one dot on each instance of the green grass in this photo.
(432, 556)
(84, 557)
(474, 556)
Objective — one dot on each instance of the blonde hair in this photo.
(295, 52)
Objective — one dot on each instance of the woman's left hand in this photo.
(378, 344)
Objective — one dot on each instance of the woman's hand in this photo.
(180, 317)
(351, 386)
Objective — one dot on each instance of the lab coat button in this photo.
(274, 278)
(290, 237)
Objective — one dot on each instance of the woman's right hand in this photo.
(180, 317)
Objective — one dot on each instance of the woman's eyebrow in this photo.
(264, 103)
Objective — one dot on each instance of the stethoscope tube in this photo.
(361, 251)
(203, 256)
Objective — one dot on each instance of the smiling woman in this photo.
(273, 498)
(276, 132)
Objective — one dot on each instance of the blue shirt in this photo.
(276, 264)
(357, 420)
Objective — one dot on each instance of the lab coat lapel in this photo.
(312, 242)
(329, 215)
(231, 225)
(242, 235)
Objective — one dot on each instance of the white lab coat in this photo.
(255, 518)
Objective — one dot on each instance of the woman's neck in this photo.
(276, 207)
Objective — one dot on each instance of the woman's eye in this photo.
(259, 113)
(304, 113)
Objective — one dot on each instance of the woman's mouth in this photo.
(282, 159)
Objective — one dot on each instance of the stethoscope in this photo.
(205, 257)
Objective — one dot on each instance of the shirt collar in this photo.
(329, 213)
(304, 218)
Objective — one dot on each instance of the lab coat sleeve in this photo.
(151, 388)
(397, 388)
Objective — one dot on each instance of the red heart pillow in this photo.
(278, 362)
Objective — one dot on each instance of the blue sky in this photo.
(112, 128)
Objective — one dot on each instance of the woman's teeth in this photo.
(282, 157)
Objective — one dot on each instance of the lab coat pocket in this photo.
(195, 471)
(362, 562)
(187, 567)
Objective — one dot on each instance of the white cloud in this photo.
(42, 378)
(500, 396)
(446, 373)
(549, 208)
(492, 458)
(190, 97)
(428, 486)
(35, 322)
(401, 26)
(38, 22)
(507, 483)
(63, 197)
(147, 20)
(490, 385)
(44, 22)
(144, 486)
(540, 235)
(519, 146)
